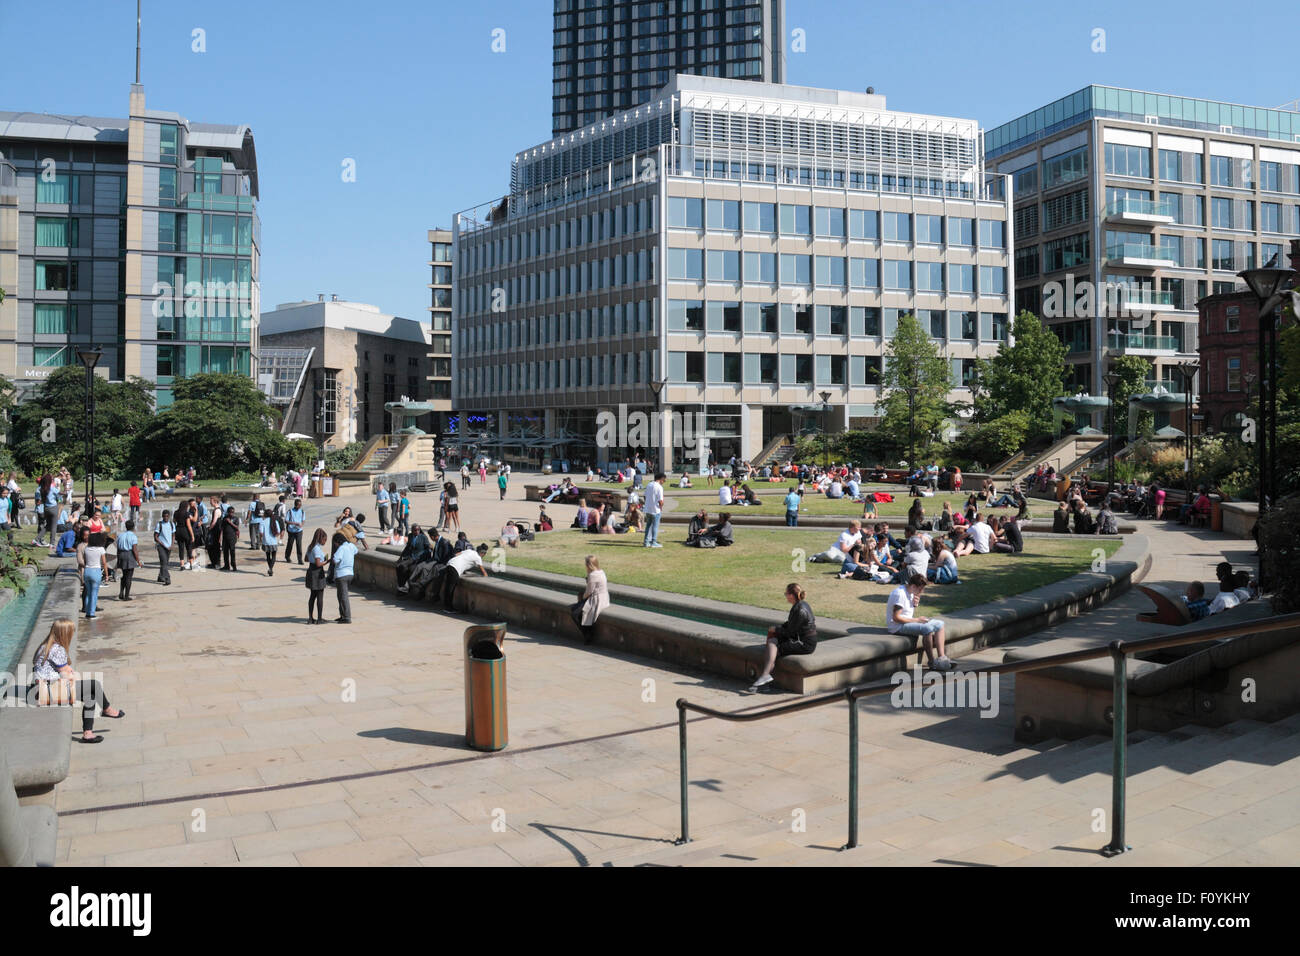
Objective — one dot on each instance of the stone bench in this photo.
(730, 639)
(1194, 683)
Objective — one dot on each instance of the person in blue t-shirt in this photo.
(254, 520)
(382, 500)
(316, 560)
(67, 541)
(345, 553)
(293, 520)
(162, 537)
(271, 528)
(128, 558)
(792, 501)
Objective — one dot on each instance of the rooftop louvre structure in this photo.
(751, 245)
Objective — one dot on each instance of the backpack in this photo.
(349, 531)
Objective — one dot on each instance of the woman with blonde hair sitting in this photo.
(592, 602)
(54, 682)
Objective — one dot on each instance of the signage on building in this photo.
(39, 373)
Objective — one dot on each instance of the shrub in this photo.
(12, 560)
(1279, 531)
(340, 459)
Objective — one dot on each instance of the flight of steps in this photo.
(380, 458)
(1221, 789)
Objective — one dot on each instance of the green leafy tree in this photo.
(991, 442)
(218, 422)
(912, 360)
(50, 429)
(1022, 378)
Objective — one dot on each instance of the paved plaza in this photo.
(255, 739)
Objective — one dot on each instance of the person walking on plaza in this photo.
(271, 529)
(502, 479)
(254, 519)
(229, 539)
(798, 635)
(453, 507)
(128, 558)
(133, 502)
(216, 514)
(792, 502)
(94, 572)
(293, 519)
(482, 471)
(341, 565)
(163, 536)
(383, 499)
(654, 507)
(464, 475)
(316, 561)
(184, 521)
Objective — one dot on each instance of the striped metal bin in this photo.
(485, 687)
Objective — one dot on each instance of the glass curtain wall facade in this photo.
(612, 55)
(1156, 201)
(440, 285)
(770, 262)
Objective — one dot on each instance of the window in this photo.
(1026, 261)
(993, 327)
(993, 234)
(723, 265)
(898, 227)
(830, 222)
(1268, 250)
(796, 319)
(993, 280)
(864, 224)
(1270, 217)
(961, 231)
(1270, 177)
(56, 276)
(686, 264)
(50, 355)
(62, 188)
(1221, 254)
(685, 315)
(1065, 253)
(1221, 170)
(963, 326)
(724, 368)
(167, 143)
(864, 321)
(830, 271)
(1178, 167)
(695, 367)
(760, 217)
(796, 369)
(929, 229)
(760, 267)
(1026, 220)
(1066, 210)
(929, 277)
(1124, 160)
(1065, 168)
(723, 214)
(761, 369)
(57, 233)
(723, 316)
(1232, 319)
(1025, 181)
(685, 213)
(796, 268)
(796, 220)
(898, 274)
(864, 273)
(55, 319)
(761, 317)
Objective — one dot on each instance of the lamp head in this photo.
(90, 355)
(1266, 283)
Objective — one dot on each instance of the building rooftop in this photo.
(1139, 106)
(342, 315)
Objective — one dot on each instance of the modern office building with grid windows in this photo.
(1162, 198)
(749, 246)
(612, 55)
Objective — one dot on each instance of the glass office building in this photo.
(750, 245)
(612, 55)
(1157, 201)
(138, 235)
(439, 389)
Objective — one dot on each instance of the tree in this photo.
(913, 360)
(1023, 377)
(220, 423)
(49, 430)
(1133, 374)
(991, 442)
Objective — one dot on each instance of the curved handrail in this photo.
(1117, 650)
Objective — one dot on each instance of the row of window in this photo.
(575, 279)
(771, 318)
(833, 222)
(628, 318)
(626, 220)
(839, 272)
(1188, 167)
(855, 179)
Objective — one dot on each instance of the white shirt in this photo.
(979, 535)
(654, 498)
(724, 495)
(1225, 600)
(899, 600)
(117, 503)
(465, 560)
(848, 540)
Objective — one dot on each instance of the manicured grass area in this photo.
(756, 569)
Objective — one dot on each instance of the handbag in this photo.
(61, 692)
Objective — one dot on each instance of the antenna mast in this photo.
(137, 41)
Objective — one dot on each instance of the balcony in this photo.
(1139, 212)
(1135, 301)
(1140, 256)
(1135, 343)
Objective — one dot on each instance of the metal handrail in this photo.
(1118, 651)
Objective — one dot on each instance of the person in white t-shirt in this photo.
(902, 619)
(724, 494)
(978, 538)
(847, 541)
(459, 566)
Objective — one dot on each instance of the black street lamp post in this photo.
(911, 427)
(90, 358)
(1269, 286)
(657, 386)
(1188, 372)
(1111, 379)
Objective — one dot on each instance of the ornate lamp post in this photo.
(1111, 379)
(657, 386)
(90, 357)
(826, 438)
(1268, 285)
(1188, 372)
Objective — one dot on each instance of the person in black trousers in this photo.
(229, 540)
(293, 519)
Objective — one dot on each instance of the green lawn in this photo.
(756, 569)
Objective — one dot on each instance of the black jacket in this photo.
(1061, 521)
(800, 625)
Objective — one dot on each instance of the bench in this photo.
(1170, 608)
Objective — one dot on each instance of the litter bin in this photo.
(313, 491)
(485, 687)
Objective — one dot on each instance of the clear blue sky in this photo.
(412, 91)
